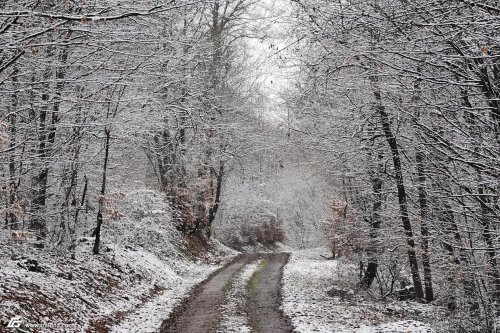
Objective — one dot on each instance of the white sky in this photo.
(268, 53)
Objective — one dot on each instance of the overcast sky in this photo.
(268, 52)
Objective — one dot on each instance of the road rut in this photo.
(265, 296)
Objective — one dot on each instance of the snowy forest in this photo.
(250, 166)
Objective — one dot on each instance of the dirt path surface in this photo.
(201, 312)
(265, 296)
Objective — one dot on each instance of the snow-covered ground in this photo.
(144, 270)
(306, 279)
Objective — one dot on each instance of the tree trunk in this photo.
(371, 268)
(375, 221)
(72, 245)
(424, 231)
(403, 203)
(46, 141)
(420, 159)
(213, 210)
(11, 218)
(488, 235)
(97, 241)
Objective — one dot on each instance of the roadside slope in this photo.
(144, 271)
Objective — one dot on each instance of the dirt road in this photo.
(205, 310)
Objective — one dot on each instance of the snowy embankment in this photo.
(144, 270)
(306, 279)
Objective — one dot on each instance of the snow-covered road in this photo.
(242, 297)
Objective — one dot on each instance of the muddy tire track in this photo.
(264, 292)
(200, 312)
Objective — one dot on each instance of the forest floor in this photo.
(308, 277)
(147, 272)
(132, 290)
